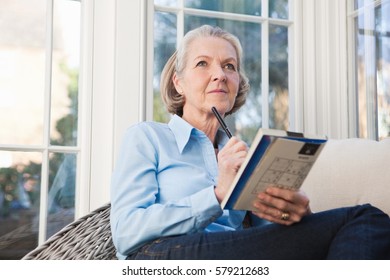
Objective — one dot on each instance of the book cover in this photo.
(276, 157)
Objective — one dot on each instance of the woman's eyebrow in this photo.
(201, 57)
(231, 59)
(228, 59)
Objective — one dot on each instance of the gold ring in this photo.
(285, 216)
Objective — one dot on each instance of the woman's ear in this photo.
(176, 83)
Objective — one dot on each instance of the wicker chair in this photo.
(88, 238)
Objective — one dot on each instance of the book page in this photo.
(285, 165)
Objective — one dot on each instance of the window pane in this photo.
(278, 9)
(62, 186)
(361, 3)
(382, 28)
(248, 119)
(229, 6)
(166, 2)
(278, 77)
(361, 79)
(373, 71)
(164, 46)
(22, 71)
(65, 69)
(19, 203)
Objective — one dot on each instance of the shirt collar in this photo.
(182, 131)
(221, 139)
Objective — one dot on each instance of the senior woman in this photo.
(170, 178)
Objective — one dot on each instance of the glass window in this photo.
(22, 71)
(20, 178)
(249, 30)
(39, 66)
(164, 46)
(278, 9)
(166, 2)
(227, 6)
(61, 191)
(244, 121)
(65, 69)
(278, 77)
(382, 37)
(372, 72)
(360, 3)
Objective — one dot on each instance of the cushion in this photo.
(349, 172)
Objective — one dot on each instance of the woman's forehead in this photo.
(210, 47)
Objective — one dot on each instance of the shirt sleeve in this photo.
(136, 218)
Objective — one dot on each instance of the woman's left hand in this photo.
(282, 206)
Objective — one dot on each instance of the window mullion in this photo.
(180, 22)
(265, 65)
(143, 63)
(370, 72)
(83, 174)
(294, 68)
(46, 122)
(352, 87)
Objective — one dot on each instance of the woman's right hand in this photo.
(230, 159)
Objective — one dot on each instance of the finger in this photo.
(274, 219)
(286, 194)
(266, 209)
(235, 144)
(234, 158)
(232, 141)
(293, 196)
(289, 200)
(239, 155)
(240, 146)
(275, 206)
(269, 211)
(274, 214)
(233, 155)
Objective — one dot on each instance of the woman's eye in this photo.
(230, 67)
(201, 63)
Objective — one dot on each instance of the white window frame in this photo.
(118, 87)
(293, 23)
(353, 112)
(352, 13)
(82, 147)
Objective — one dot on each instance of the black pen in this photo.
(221, 122)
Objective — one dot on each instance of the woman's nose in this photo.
(219, 74)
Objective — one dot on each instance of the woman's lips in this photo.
(218, 91)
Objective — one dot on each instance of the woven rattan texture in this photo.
(88, 238)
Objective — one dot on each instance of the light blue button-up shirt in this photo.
(163, 185)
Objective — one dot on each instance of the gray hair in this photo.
(174, 101)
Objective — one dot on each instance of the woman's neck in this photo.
(208, 124)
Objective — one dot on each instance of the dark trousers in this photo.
(359, 232)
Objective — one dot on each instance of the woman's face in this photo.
(210, 77)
